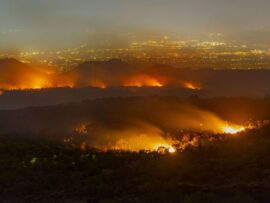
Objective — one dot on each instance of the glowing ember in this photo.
(171, 150)
(165, 148)
(82, 128)
(233, 130)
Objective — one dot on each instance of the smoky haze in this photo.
(50, 24)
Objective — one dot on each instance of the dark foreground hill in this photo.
(236, 169)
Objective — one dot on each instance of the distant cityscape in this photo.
(183, 54)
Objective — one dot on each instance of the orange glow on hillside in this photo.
(145, 141)
(20, 78)
(190, 85)
(143, 81)
(38, 83)
(98, 83)
(31, 82)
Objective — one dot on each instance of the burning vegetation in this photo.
(190, 85)
(119, 74)
(233, 130)
(131, 124)
(142, 81)
(136, 149)
(140, 124)
(18, 76)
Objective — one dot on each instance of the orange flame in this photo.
(34, 82)
(143, 81)
(190, 85)
(46, 80)
(232, 129)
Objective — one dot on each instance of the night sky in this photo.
(53, 24)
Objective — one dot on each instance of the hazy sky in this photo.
(47, 24)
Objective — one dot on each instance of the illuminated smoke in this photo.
(16, 75)
(152, 125)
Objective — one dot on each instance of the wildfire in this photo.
(163, 148)
(233, 129)
(56, 80)
(190, 85)
(39, 83)
(98, 83)
(171, 150)
(35, 83)
(143, 81)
